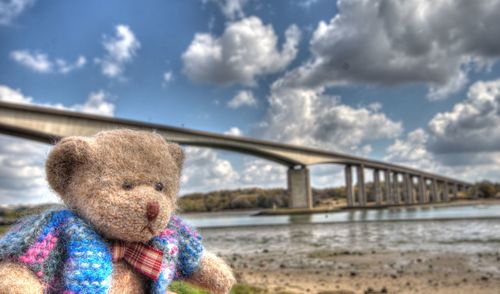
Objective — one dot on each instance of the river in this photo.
(456, 228)
(247, 218)
(452, 249)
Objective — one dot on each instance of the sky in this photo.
(414, 82)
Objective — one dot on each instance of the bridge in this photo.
(400, 186)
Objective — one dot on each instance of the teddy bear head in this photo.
(123, 182)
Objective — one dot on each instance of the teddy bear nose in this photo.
(152, 210)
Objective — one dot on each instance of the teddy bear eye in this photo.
(127, 185)
(159, 186)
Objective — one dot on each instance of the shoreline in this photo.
(487, 218)
(451, 203)
(340, 208)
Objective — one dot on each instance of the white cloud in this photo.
(36, 61)
(41, 63)
(234, 131)
(309, 117)
(267, 174)
(22, 176)
(232, 9)
(65, 67)
(328, 175)
(168, 76)
(412, 151)
(472, 125)
(307, 3)
(8, 94)
(395, 42)
(263, 173)
(242, 98)
(463, 142)
(10, 9)
(205, 171)
(246, 50)
(120, 50)
(96, 103)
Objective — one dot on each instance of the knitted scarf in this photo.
(67, 255)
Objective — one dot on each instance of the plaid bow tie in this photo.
(143, 258)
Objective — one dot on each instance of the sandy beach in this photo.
(456, 256)
(369, 272)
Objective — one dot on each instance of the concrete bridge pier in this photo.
(455, 191)
(434, 187)
(299, 187)
(421, 190)
(361, 185)
(440, 186)
(395, 188)
(377, 188)
(348, 186)
(408, 186)
(446, 192)
(389, 196)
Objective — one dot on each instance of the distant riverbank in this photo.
(275, 199)
(342, 206)
(262, 213)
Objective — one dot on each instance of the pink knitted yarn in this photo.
(39, 251)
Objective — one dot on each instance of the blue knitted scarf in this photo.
(70, 257)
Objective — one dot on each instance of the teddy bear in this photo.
(117, 231)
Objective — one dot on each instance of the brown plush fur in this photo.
(109, 180)
(17, 279)
(126, 280)
(89, 174)
(213, 274)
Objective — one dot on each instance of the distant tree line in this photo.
(250, 198)
(255, 198)
(259, 198)
(486, 189)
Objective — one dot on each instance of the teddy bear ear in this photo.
(67, 155)
(177, 154)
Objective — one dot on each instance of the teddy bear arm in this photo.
(213, 274)
(15, 278)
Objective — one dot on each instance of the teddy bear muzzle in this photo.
(152, 210)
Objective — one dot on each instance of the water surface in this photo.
(392, 214)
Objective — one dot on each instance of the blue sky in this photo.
(412, 82)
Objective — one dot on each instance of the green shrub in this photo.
(486, 189)
(184, 288)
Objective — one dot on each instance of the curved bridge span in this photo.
(401, 185)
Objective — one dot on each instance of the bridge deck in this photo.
(47, 125)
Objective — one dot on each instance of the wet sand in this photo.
(369, 272)
(403, 257)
